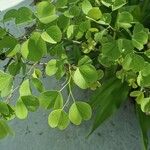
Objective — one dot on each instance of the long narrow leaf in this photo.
(107, 99)
(144, 121)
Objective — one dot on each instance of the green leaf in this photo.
(6, 81)
(7, 43)
(144, 121)
(85, 26)
(52, 35)
(106, 101)
(9, 15)
(51, 99)
(31, 102)
(79, 111)
(140, 36)
(118, 4)
(95, 13)
(4, 108)
(143, 81)
(4, 129)
(124, 20)
(111, 50)
(145, 105)
(63, 22)
(85, 75)
(133, 62)
(37, 73)
(74, 11)
(46, 12)
(24, 15)
(34, 48)
(25, 88)
(38, 84)
(51, 67)
(115, 4)
(21, 110)
(84, 60)
(14, 68)
(86, 6)
(58, 118)
(61, 3)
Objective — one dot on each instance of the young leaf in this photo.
(79, 111)
(58, 118)
(51, 99)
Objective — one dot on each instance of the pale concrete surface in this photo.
(121, 132)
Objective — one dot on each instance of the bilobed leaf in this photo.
(106, 101)
(52, 35)
(21, 110)
(58, 118)
(79, 111)
(51, 99)
(25, 88)
(9, 15)
(34, 48)
(24, 15)
(85, 75)
(46, 12)
(51, 67)
(140, 36)
(31, 102)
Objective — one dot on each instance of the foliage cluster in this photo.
(101, 45)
